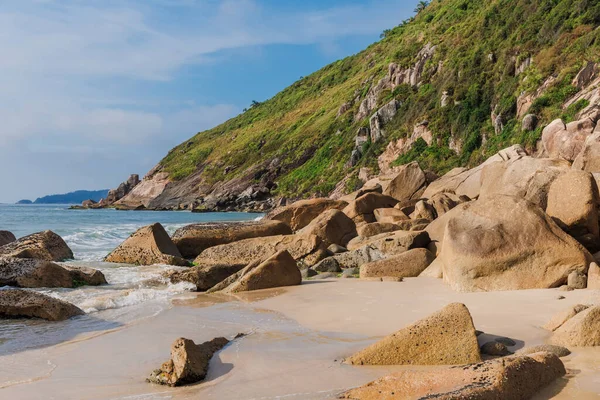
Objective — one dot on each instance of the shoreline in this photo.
(301, 332)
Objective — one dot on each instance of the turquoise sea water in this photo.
(133, 292)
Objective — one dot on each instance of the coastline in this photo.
(297, 339)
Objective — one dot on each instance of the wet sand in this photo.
(297, 338)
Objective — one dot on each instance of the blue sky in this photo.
(95, 90)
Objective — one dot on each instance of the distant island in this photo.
(75, 197)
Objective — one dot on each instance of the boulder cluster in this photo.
(33, 261)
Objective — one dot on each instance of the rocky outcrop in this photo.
(6, 237)
(332, 227)
(19, 303)
(30, 273)
(409, 183)
(148, 245)
(363, 208)
(589, 157)
(514, 377)
(383, 116)
(444, 338)
(582, 330)
(559, 319)
(506, 243)
(401, 146)
(306, 248)
(191, 240)
(389, 216)
(301, 213)
(45, 245)
(123, 190)
(188, 363)
(278, 270)
(406, 265)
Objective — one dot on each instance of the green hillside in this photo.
(480, 45)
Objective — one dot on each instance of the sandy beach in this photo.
(297, 339)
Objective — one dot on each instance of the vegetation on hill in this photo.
(76, 197)
(481, 45)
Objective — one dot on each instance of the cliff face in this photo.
(447, 88)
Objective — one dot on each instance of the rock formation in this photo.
(148, 245)
(514, 377)
(191, 240)
(30, 273)
(122, 190)
(45, 245)
(6, 237)
(444, 338)
(19, 303)
(299, 214)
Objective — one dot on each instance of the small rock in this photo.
(337, 249)
(330, 264)
(325, 275)
(350, 272)
(506, 341)
(308, 273)
(561, 298)
(188, 363)
(577, 280)
(495, 349)
(560, 351)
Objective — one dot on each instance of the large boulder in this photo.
(409, 183)
(148, 245)
(589, 157)
(189, 362)
(45, 245)
(392, 243)
(467, 182)
(525, 177)
(513, 377)
(560, 318)
(355, 258)
(19, 303)
(406, 265)
(582, 330)
(363, 208)
(376, 228)
(6, 237)
(389, 215)
(573, 205)
(506, 243)
(332, 227)
(30, 273)
(444, 202)
(444, 338)
(191, 240)
(566, 141)
(277, 271)
(593, 281)
(299, 214)
(307, 248)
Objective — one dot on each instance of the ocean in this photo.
(133, 292)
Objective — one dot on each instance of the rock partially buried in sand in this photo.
(494, 348)
(512, 377)
(444, 338)
(299, 214)
(6, 237)
(277, 271)
(579, 331)
(45, 245)
(406, 265)
(505, 243)
(191, 240)
(559, 319)
(19, 303)
(147, 246)
(188, 363)
(30, 273)
(204, 276)
(307, 248)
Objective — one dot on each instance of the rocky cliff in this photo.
(447, 88)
